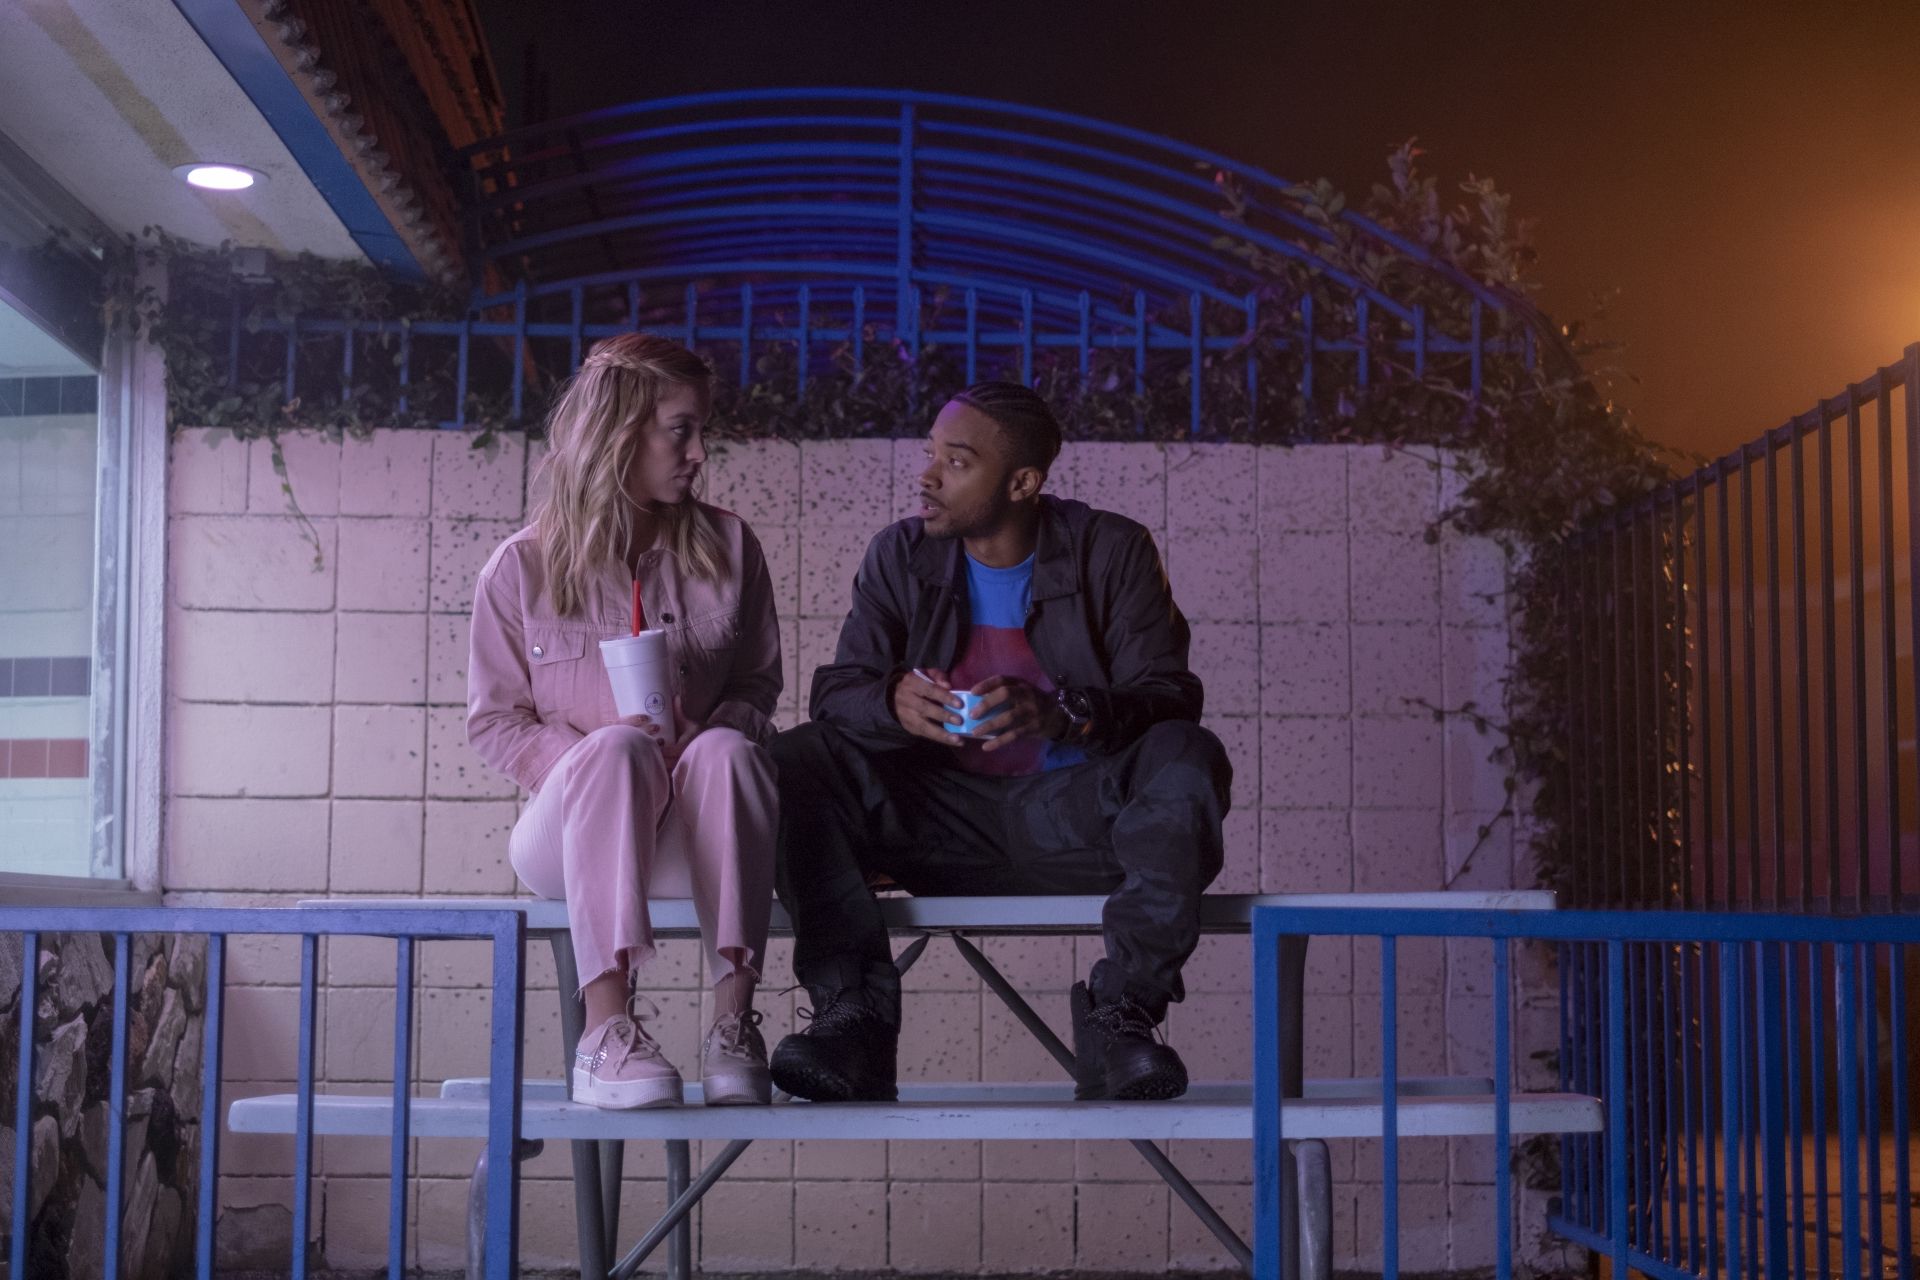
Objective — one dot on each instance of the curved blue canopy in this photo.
(897, 191)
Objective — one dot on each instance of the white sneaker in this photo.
(619, 1066)
(733, 1062)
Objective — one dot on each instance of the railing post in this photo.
(23, 1105)
(1846, 1063)
(1253, 364)
(1617, 1189)
(503, 1097)
(303, 1104)
(117, 1104)
(859, 329)
(519, 345)
(806, 324)
(577, 318)
(1026, 336)
(1773, 1105)
(903, 230)
(210, 1065)
(973, 334)
(402, 1107)
(1910, 398)
(746, 335)
(1502, 1102)
(1389, 1108)
(460, 378)
(1196, 360)
(1268, 1141)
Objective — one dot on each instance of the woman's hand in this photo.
(685, 731)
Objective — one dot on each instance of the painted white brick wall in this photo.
(315, 744)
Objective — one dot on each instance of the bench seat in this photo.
(478, 1087)
(940, 1112)
(1023, 915)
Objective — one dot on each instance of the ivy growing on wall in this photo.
(1537, 451)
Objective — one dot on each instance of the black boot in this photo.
(848, 1053)
(1116, 1054)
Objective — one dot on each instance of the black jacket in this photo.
(1102, 620)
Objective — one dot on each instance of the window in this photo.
(58, 511)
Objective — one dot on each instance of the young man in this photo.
(1087, 771)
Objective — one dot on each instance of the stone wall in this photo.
(73, 1040)
(316, 746)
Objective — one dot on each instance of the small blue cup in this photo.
(971, 711)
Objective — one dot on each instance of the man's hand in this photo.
(924, 708)
(1011, 710)
(684, 731)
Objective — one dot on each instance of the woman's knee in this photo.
(621, 747)
(728, 751)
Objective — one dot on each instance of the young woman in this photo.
(618, 814)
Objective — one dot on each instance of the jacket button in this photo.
(666, 617)
(683, 668)
(538, 652)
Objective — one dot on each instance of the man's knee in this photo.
(801, 747)
(1180, 751)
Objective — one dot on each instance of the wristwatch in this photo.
(1078, 708)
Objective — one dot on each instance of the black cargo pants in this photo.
(1141, 825)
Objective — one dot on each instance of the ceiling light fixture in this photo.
(220, 177)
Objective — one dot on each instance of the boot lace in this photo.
(837, 1016)
(1122, 1019)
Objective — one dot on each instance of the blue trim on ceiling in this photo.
(230, 33)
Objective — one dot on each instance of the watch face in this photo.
(1076, 704)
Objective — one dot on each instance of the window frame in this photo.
(128, 624)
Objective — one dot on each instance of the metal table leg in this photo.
(477, 1206)
(680, 1244)
(613, 1158)
(1314, 1168)
(677, 1211)
(589, 1209)
(1168, 1171)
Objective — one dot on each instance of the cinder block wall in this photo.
(315, 746)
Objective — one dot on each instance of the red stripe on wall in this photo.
(43, 757)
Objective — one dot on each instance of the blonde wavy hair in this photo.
(585, 519)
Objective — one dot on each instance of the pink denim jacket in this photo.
(535, 682)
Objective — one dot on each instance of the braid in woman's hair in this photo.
(1023, 416)
(584, 515)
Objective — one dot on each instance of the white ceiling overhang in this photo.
(108, 96)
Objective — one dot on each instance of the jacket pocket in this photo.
(559, 670)
(715, 633)
(704, 661)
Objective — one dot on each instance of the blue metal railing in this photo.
(1740, 682)
(828, 225)
(504, 929)
(1708, 1166)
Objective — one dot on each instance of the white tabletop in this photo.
(1031, 914)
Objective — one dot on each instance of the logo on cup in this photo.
(656, 703)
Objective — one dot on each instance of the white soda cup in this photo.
(642, 680)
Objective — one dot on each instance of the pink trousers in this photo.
(610, 828)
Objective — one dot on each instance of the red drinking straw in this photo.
(639, 617)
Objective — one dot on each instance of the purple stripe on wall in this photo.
(45, 677)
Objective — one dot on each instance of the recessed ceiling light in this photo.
(220, 177)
